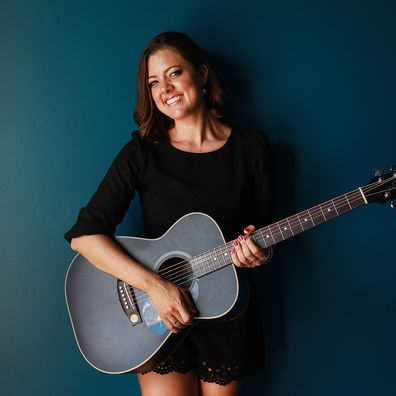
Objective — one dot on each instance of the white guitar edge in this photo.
(160, 346)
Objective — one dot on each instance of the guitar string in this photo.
(143, 297)
(184, 263)
(292, 225)
(169, 269)
(176, 268)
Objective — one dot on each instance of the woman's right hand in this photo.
(173, 304)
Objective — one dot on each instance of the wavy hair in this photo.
(152, 123)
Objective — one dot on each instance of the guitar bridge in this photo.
(127, 299)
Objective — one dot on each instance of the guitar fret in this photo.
(301, 225)
(329, 212)
(307, 224)
(296, 224)
(335, 207)
(222, 256)
(216, 258)
(311, 217)
(213, 259)
(206, 263)
(268, 234)
(280, 231)
(347, 201)
(262, 237)
(285, 229)
(210, 260)
(203, 263)
(343, 206)
(271, 234)
(226, 256)
(357, 199)
(219, 257)
(291, 228)
(195, 264)
(222, 252)
(324, 217)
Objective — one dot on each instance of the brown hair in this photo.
(151, 121)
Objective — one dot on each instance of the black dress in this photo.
(232, 185)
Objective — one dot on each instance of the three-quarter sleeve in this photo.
(107, 207)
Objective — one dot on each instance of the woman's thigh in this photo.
(172, 384)
(213, 389)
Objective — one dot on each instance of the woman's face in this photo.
(175, 85)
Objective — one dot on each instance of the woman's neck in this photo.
(196, 132)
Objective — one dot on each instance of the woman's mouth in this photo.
(173, 100)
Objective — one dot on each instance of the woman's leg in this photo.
(213, 389)
(172, 384)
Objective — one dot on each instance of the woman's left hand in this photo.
(246, 253)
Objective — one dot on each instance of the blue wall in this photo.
(318, 76)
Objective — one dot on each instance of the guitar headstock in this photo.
(381, 188)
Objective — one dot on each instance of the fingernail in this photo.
(247, 229)
(236, 243)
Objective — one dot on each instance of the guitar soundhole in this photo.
(178, 271)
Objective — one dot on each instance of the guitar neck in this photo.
(270, 235)
(307, 219)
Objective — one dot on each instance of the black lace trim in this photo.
(169, 365)
(221, 376)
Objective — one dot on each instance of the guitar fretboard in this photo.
(268, 236)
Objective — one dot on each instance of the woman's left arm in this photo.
(246, 253)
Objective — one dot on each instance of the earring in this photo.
(204, 91)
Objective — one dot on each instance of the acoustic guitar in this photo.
(116, 326)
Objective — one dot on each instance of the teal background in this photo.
(317, 76)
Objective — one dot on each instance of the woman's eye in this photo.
(176, 73)
(152, 83)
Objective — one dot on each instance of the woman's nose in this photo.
(166, 86)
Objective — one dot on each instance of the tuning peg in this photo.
(378, 173)
(393, 168)
(392, 204)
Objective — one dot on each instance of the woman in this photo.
(183, 159)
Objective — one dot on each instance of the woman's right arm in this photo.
(96, 223)
(172, 303)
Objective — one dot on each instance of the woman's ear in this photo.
(203, 74)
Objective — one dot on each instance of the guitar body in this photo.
(106, 335)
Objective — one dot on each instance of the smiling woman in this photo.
(176, 87)
(185, 159)
(166, 59)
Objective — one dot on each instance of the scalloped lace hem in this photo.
(221, 376)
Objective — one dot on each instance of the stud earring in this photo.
(204, 91)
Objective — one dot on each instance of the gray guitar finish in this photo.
(107, 338)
